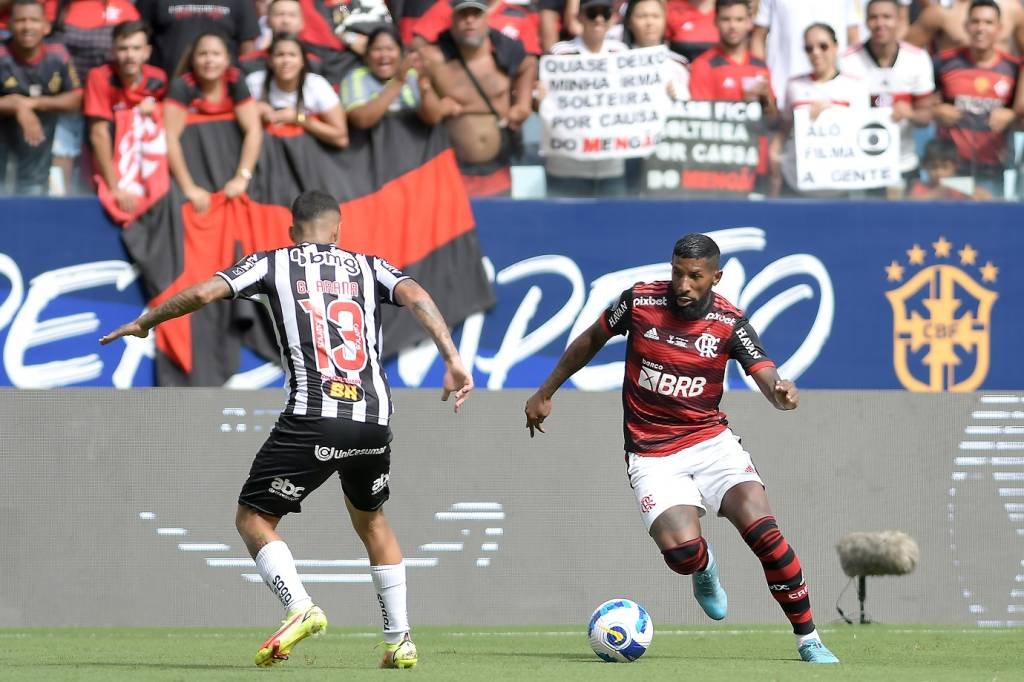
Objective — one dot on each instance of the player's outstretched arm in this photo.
(581, 351)
(456, 379)
(182, 303)
(780, 392)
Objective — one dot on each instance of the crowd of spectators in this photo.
(949, 70)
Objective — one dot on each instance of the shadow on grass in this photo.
(172, 666)
(590, 658)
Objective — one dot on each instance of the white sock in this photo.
(803, 639)
(389, 582)
(276, 565)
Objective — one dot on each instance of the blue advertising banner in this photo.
(923, 297)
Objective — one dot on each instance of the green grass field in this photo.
(873, 652)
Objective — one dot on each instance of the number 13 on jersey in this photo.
(347, 318)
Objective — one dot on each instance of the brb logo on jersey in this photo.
(958, 325)
(654, 378)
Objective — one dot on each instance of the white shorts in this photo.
(698, 476)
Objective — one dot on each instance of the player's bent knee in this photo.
(687, 558)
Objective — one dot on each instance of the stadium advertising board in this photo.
(872, 295)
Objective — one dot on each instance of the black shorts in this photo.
(302, 452)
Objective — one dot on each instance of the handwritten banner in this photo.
(846, 149)
(708, 148)
(604, 106)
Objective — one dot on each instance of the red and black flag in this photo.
(401, 198)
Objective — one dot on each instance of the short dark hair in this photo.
(310, 205)
(384, 29)
(129, 28)
(940, 150)
(875, 2)
(28, 3)
(726, 4)
(696, 245)
(992, 4)
(824, 27)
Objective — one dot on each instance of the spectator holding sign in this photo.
(490, 76)
(569, 177)
(977, 84)
(824, 87)
(211, 87)
(646, 25)
(729, 72)
(288, 94)
(898, 75)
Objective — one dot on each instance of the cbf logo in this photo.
(942, 318)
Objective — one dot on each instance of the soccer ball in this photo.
(620, 631)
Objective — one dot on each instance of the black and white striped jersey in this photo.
(326, 306)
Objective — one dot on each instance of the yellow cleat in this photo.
(295, 628)
(401, 655)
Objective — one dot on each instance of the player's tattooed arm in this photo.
(187, 301)
(781, 393)
(581, 351)
(410, 294)
(457, 379)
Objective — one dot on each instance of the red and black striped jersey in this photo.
(977, 91)
(675, 367)
(326, 305)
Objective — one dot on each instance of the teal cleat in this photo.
(816, 652)
(709, 591)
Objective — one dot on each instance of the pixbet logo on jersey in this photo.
(654, 378)
(286, 489)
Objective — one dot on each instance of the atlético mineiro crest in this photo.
(942, 318)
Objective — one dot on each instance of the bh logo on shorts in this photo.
(646, 503)
(665, 383)
(282, 487)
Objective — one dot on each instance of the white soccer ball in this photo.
(620, 631)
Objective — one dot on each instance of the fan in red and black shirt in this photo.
(682, 457)
(691, 27)
(211, 88)
(978, 85)
(124, 83)
(37, 82)
(728, 72)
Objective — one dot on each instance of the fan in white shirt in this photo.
(898, 75)
(295, 96)
(824, 87)
(779, 24)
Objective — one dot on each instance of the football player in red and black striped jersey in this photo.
(683, 459)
